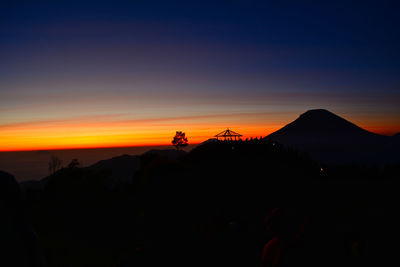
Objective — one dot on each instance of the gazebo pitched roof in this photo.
(228, 133)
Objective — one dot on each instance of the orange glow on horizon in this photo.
(80, 136)
(80, 133)
(103, 142)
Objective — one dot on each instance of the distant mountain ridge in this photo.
(121, 168)
(124, 167)
(331, 138)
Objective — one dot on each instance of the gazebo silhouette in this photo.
(228, 135)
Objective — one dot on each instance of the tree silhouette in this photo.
(180, 140)
(54, 164)
(74, 164)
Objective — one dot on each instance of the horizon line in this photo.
(88, 147)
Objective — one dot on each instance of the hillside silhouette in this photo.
(257, 202)
(209, 205)
(329, 138)
(19, 245)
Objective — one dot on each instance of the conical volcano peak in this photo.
(331, 138)
(319, 119)
(320, 124)
(317, 111)
(319, 114)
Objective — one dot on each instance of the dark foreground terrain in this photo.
(219, 204)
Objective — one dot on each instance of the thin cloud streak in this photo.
(114, 120)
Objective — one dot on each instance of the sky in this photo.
(77, 74)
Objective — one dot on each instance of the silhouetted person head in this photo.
(287, 225)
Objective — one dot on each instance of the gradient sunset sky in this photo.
(124, 73)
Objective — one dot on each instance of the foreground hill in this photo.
(332, 139)
(209, 205)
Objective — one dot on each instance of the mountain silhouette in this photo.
(117, 169)
(332, 139)
(168, 153)
(209, 204)
(121, 168)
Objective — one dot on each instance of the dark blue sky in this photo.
(200, 57)
(354, 36)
